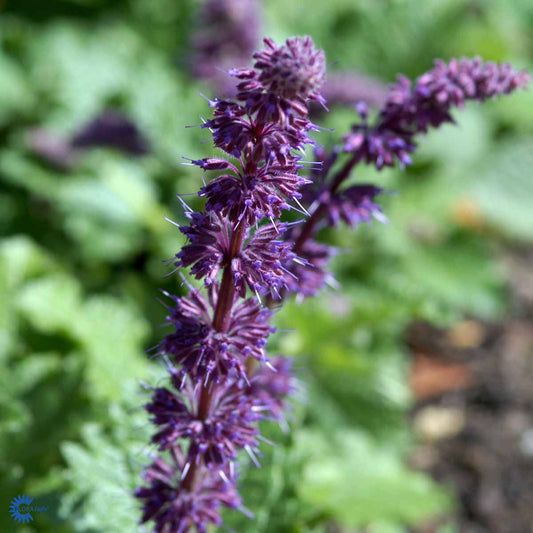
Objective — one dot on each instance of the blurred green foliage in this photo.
(81, 258)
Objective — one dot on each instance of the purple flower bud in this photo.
(211, 163)
(294, 71)
(310, 273)
(204, 352)
(353, 205)
(271, 388)
(177, 510)
(215, 440)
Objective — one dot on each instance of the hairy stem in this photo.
(221, 321)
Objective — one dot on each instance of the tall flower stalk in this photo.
(216, 398)
(222, 382)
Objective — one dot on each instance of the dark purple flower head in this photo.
(352, 205)
(252, 197)
(174, 510)
(260, 264)
(295, 70)
(215, 440)
(271, 388)
(113, 129)
(271, 119)
(205, 353)
(310, 273)
(412, 109)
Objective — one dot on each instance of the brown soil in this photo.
(474, 412)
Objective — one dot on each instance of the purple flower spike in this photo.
(410, 110)
(218, 392)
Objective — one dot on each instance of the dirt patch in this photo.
(474, 411)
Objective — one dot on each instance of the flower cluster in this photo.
(214, 442)
(412, 109)
(174, 510)
(258, 266)
(203, 352)
(222, 384)
(408, 110)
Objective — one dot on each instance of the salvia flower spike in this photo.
(221, 381)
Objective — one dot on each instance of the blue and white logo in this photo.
(20, 509)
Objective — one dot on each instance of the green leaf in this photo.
(16, 95)
(362, 483)
(112, 334)
(504, 190)
(21, 259)
(102, 483)
(51, 303)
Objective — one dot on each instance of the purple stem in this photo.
(221, 320)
